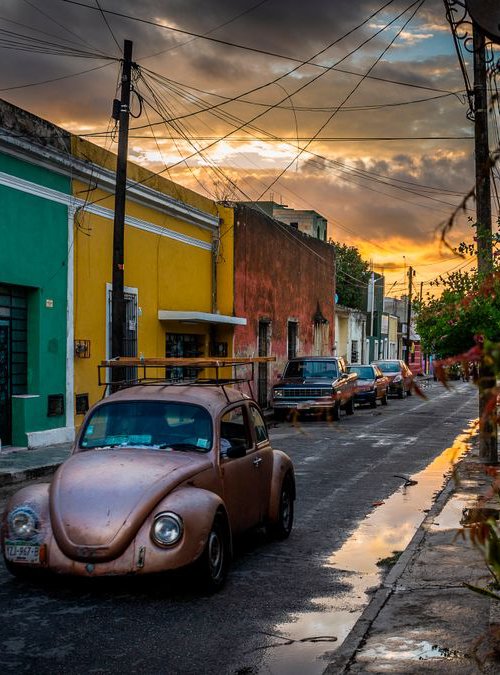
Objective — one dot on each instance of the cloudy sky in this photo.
(354, 109)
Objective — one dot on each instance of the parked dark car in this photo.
(315, 384)
(400, 376)
(372, 384)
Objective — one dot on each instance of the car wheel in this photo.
(409, 391)
(401, 393)
(349, 409)
(282, 528)
(336, 412)
(213, 565)
(373, 403)
(384, 398)
(279, 415)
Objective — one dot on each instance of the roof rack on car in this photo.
(135, 371)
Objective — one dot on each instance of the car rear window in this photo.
(148, 424)
(318, 369)
(363, 372)
(389, 367)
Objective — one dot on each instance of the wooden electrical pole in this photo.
(488, 452)
(118, 296)
(408, 315)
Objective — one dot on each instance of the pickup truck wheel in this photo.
(349, 408)
(282, 528)
(373, 403)
(279, 415)
(336, 412)
(213, 564)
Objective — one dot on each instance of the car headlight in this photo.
(23, 523)
(167, 529)
(278, 393)
(398, 378)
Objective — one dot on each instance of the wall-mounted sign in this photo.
(49, 303)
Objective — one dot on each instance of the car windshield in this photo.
(363, 372)
(148, 424)
(317, 369)
(389, 366)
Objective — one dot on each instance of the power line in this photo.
(260, 51)
(108, 26)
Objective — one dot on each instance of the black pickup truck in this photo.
(318, 384)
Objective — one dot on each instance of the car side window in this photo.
(234, 431)
(259, 425)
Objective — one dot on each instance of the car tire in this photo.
(282, 528)
(349, 408)
(279, 415)
(409, 391)
(401, 393)
(384, 400)
(213, 564)
(336, 412)
(373, 403)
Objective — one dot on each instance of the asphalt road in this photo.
(275, 590)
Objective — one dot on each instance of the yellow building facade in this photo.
(178, 271)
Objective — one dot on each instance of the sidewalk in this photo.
(19, 465)
(422, 619)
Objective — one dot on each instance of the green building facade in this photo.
(34, 207)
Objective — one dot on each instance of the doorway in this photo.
(13, 353)
(263, 379)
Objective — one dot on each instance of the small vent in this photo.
(55, 405)
(82, 404)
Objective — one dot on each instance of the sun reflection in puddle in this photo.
(407, 649)
(387, 529)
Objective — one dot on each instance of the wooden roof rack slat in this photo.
(202, 362)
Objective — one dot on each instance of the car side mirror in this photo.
(236, 451)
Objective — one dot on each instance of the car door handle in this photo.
(257, 461)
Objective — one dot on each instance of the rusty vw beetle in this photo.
(160, 477)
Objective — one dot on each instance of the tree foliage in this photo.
(352, 275)
(468, 306)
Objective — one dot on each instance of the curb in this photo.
(343, 657)
(12, 477)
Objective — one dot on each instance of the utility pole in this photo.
(488, 452)
(408, 314)
(118, 297)
(371, 301)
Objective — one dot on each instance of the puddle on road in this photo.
(407, 649)
(387, 529)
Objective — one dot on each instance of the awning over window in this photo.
(200, 317)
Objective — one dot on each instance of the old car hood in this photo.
(100, 498)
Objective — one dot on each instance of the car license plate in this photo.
(304, 406)
(22, 553)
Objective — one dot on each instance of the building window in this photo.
(354, 351)
(292, 339)
(181, 345)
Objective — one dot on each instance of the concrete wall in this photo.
(281, 275)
